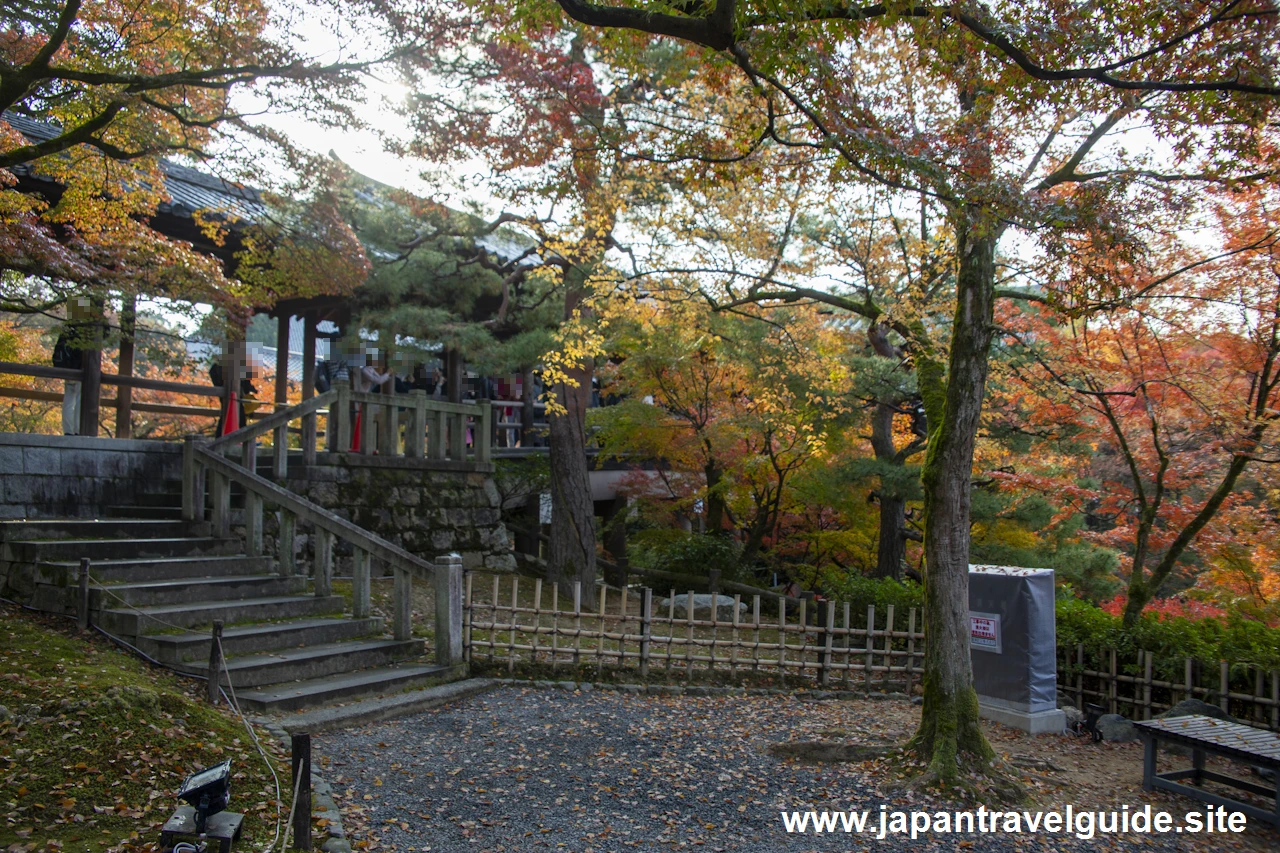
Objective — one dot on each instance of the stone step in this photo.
(170, 497)
(59, 551)
(170, 568)
(130, 622)
(314, 692)
(264, 637)
(153, 593)
(58, 529)
(164, 513)
(309, 662)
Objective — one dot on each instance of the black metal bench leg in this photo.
(1197, 764)
(1149, 746)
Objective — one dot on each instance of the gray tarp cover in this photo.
(1024, 675)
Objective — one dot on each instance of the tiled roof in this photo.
(189, 189)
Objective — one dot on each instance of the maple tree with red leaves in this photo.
(937, 101)
(1178, 391)
(116, 87)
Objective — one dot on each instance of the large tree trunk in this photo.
(950, 736)
(715, 498)
(891, 545)
(572, 553)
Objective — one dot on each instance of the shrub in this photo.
(687, 553)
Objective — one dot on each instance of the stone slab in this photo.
(1050, 722)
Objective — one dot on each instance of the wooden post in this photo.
(249, 455)
(309, 387)
(252, 524)
(1113, 686)
(1080, 676)
(484, 437)
(1224, 681)
(1146, 686)
(467, 603)
(824, 671)
(871, 630)
(911, 649)
(124, 393)
(215, 661)
(192, 500)
(448, 589)
(537, 619)
(360, 582)
(458, 437)
(1259, 682)
(887, 661)
(402, 605)
(91, 379)
(82, 601)
(342, 409)
(286, 561)
(437, 445)
(1186, 679)
(416, 430)
(646, 630)
(282, 361)
(300, 749)
(1275, 699)
(368, 431)
(280, 449)
(577, 623)
(511, 636)
(221, 504)
(323, 562)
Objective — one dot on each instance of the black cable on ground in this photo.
(118, 641)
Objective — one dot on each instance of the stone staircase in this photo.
(159, 583)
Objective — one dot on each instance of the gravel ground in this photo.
(522, 769)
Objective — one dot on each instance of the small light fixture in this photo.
(208, 791)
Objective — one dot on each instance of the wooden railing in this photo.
(204, 463)
(432, 429)
(39, 371)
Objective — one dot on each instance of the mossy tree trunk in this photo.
(572, 550)
(950, 737)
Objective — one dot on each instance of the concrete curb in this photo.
(701, 690)
(384, 708)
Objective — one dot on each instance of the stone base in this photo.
(1050, 722)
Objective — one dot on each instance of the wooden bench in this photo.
(1207, 736)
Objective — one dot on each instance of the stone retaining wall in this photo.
(427, 511)
(56, 476)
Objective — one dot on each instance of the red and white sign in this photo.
(984, 632)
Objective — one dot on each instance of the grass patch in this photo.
(97, 744)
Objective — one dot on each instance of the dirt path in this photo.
(533, 770)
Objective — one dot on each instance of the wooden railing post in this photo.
(280, 447)
(360, 582)
(215, 662)
(323, 562)
(416, 431)
(309, 386)
(341, 435)
(824, 672)
(402, 605)
(192, 502)
(646, 630)
(252, 524)
(389, 429)
(437, 444)
(221, 489)
(458, 437)
(484, 433)
(368, 415)
(286, 561)
(249, 454)
(448, 590)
